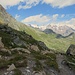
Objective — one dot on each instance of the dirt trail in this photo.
(64, 70)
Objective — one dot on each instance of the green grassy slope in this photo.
(49, 39)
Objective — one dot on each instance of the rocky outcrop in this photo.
(18, 50)
(42, 45)
(11, 67)
(71, 50)
(18, 41)
(13, 38)
(1, 44)
(34, 47)
(40, 73)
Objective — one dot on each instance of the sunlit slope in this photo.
(49, 39)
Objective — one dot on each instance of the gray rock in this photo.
(42, 45)
(71, 50)
(19, 42)
(46, 51)
(11, 67)
(0, 56)
(21, 49)
(40, 73)
(1, 44)
(34, 47)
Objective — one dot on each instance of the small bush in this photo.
(38, 66)
(70, 61)
(3, 64)
(17, 72)
(52, 64)
(22, 63)
(4, 53)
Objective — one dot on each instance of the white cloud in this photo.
(62, 15)
(7, 3)
(29, 4)
(69, 23)
(47, 19)
(59, 3)
(41, 19)
(25, 4)
(17, 16)
(55, 16)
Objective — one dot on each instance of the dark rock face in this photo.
(71, 50)
(42, 45)
(61, 36)
(63, 30)
(49, 31)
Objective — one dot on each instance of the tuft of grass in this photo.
(5, 53)
(3, 64)
(38, 55)
(51, 61)
(52, 64)
(17, 72)
(17, 60)
(6, 39)
(70, 61)
(38, 66)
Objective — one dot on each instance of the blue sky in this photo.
(41, 12)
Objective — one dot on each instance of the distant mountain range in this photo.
(64, 30)
(49, 31)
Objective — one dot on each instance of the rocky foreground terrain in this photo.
(21, 54)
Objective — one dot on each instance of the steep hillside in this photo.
(21, 54)
(13, 38)
(49, 39)
(18, 49)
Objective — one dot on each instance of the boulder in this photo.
(71, 50)
(1, 44)
(42, 46)
(47, 51)
(40, 73)
(19, 42)
(0, 57)
(34, 47)
(11, 67)
(21, 49)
